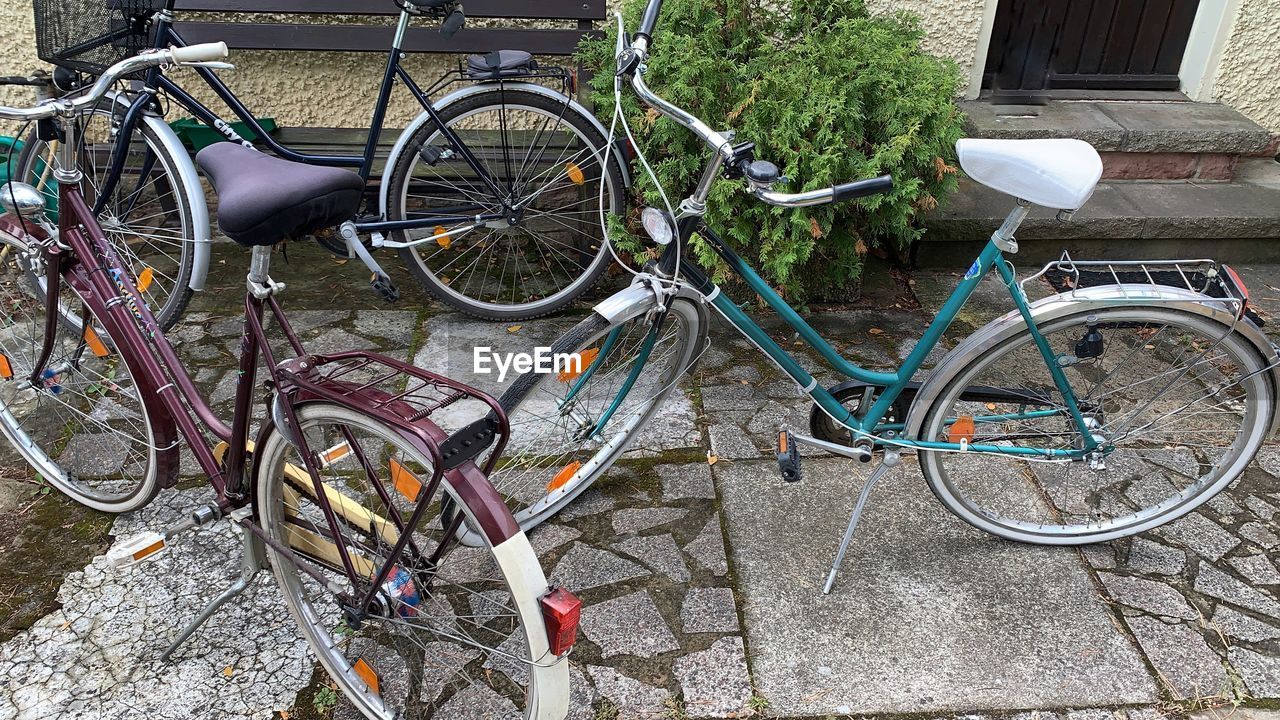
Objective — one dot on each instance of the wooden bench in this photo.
(423, 36)
(310, 33)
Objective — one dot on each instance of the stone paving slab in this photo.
(929, 614)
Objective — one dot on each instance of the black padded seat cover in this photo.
(263, 199)
(500, 64)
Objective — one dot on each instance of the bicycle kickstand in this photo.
(251, 564)
(890, 461)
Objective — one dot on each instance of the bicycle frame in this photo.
(164, 35)
(170, 394)
(891, 384)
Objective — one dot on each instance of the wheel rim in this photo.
(147, 221)
(463, 268)
(86, 430)
(548, 463)
(426, 662)
(1166, 460)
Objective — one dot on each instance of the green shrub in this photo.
(829, 93)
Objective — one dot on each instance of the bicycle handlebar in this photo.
(633, 59)
(204, 52)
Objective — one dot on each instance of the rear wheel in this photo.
(548, 161)
(451, 632)
(148, 218)
(1180, 402)
(82, 426)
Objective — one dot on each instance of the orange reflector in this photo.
(563, 476)
(963, 429)
(144, 279)
(95, 344)
(583, 361)
(6, 370)
(782, 442)
(335, 453)
(367, 674)
(406, 483)
(575, 173)
(442, 238)
(151, 549)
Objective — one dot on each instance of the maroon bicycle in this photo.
(381, 528)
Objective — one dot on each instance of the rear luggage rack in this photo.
(1204, 277)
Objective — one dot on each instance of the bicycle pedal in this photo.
(134, 550)
(788, 457)
(385, 289)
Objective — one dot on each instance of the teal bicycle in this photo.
(1121, 402)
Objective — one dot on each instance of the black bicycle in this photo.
(492, 195)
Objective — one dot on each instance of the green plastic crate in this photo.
(197, 136)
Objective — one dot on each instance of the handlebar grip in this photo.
(204, 52)
(862, 188)
(650, 19)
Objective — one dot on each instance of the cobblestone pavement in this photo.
(701, 583)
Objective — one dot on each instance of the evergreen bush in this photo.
(827, 91)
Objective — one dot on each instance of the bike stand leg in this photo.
(890, 461)
(251, 564)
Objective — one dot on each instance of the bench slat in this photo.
(543, 9)
(364, 38)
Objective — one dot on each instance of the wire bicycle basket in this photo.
(91, 35)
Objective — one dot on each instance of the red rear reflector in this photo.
(561, 611)
(1235, 278)
(6, 370)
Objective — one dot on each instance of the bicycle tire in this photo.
(445, 288)
(509, 603)
(171, 293)
(89, 421)
(527, 484)
(1138, 486)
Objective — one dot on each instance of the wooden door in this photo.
(1041, 45)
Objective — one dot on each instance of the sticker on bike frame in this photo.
(405, 482)
(974, 269)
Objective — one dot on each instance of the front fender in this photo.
(201, 236)
(1083, 300)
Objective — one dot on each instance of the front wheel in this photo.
(148, 219)
(546, 248)
(568, 427)
(456, 631)
(1179, 403)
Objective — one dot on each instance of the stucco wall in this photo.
(337, 89)
(1248, 76)
(951, 26)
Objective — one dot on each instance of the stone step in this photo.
(1233, 221)
(1137, 140)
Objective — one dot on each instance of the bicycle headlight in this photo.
(659, 225)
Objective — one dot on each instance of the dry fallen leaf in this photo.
(514, 328)
(876, 331)
(712, 459)
(228, 671)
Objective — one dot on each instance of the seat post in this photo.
(1004, 237)
(260, 283)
